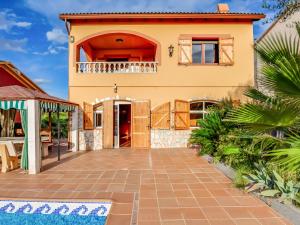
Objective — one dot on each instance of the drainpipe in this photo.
(67, 26)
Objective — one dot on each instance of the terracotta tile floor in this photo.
(148, 187)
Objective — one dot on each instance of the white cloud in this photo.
(41, 81)
(9, 20)
(52, 50)
(57, 36)
(54, 7)
(23, 24)
(13, 45)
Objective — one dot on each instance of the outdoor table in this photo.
(17, 141)
(4, 158)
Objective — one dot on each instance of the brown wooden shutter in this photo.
(88, 116)
(160, 116)
(182, 115)
(185, 51)
(140, 124)
(108, 124)
(226, 51)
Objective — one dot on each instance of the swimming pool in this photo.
(53, 212)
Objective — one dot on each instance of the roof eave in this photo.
(20, 76)
(95, 16)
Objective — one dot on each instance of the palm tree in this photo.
(276, 108)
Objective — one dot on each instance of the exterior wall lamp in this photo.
(115, 88)
(171, 50)
(72, 39)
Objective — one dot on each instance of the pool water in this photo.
(52, 212)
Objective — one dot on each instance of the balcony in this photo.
(116, 67)
(117, 53)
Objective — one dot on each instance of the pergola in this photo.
(31, 104)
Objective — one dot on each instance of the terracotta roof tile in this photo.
(160, 15)
(16, 92)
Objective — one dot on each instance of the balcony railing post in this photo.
(116, 67)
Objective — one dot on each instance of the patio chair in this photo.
(46, 138)
(9, 156)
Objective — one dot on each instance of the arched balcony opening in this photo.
(117, 52)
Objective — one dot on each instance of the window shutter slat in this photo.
(182, 115)
(226, 51)
(160, 116)
(185, 51)
(88, 116)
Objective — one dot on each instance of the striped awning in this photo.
(66, 108)
(17, 104)
(49, 106)
(56, 107)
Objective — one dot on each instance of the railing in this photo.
(116, 67)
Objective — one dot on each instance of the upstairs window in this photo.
(205, 52)
(198, 110)
(201, 50)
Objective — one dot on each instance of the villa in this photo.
(139, 82)
(144, 79)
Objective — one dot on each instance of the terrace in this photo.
(115, 53)
(157, 187)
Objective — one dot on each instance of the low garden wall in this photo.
(90, 139)
(170, 138)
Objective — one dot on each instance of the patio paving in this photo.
(148, 187)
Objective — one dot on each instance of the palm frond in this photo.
(281, 65)
(277, 46)
(256, 95)
(288, 158)
(298, 28)
(265, 117)
(283, 78)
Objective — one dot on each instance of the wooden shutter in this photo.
(88, 116)
(140, 124)
(160, 116)
(182, 115)
(185, 51)
(226, 51)
(108, 124)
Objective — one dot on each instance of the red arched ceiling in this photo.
(109, 41)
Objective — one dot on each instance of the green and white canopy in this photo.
(56, 107)
(13, 104)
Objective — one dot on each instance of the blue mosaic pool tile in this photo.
(49, 212)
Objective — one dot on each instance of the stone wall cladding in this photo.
(90, 139)
(170, 138)
(80, 119)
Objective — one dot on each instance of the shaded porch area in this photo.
(157, 187)
(117, 52)
(21, 110)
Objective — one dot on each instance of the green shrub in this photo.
(63, 118)
(239, 180)
(211, 128)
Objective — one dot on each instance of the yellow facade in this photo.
(172, 81)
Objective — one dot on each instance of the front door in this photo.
(141, 124)
(108, 122)
(124, 125)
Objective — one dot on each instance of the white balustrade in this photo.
(116, 67)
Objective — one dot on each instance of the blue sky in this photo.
(34, 39)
